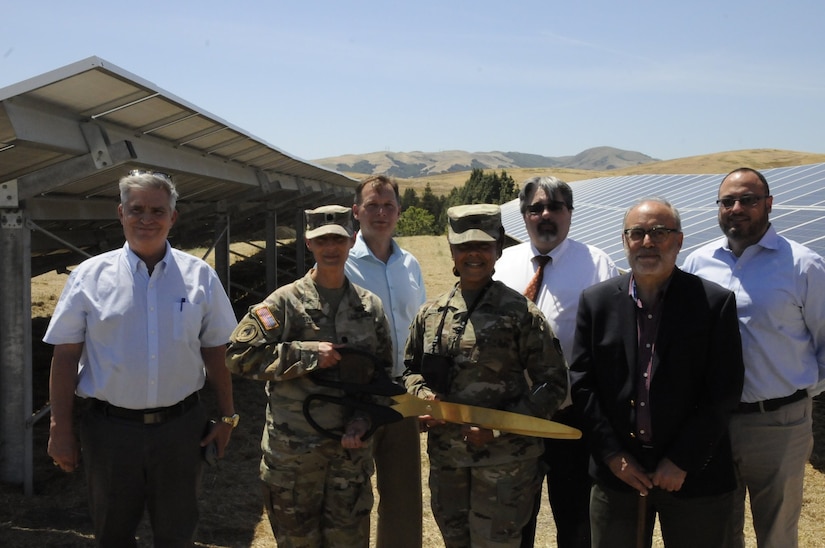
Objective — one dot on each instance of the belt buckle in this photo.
(154, 418)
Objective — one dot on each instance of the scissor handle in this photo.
(379, 414)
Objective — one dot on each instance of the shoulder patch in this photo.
(247, 332)
(267, 319)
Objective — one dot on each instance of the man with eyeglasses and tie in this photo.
(552, 270)
(780, 295)
(656, 373)
(137, 332)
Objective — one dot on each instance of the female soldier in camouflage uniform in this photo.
(474, 346)
(317, 491)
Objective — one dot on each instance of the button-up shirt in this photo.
(142, 333)
(647, 328)
(398, 283)
(780, 301)
(574, 267)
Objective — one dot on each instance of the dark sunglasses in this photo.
(539, 208)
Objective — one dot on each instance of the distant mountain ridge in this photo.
(409, 165)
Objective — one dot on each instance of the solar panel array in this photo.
(798, 207)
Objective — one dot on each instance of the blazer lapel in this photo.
(669, 322)
(627, 317)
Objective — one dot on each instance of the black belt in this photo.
(771, 405)
(157, 415)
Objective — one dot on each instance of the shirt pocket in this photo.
(186, 320)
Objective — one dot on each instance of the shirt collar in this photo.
(556, 253)
(361, 249)
(135, 261)
(631, 290)
(769, 240)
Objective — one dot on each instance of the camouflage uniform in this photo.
(317, 492)
(484, 495)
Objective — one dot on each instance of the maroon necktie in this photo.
(532, 290)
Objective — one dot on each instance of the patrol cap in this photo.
(330, 219)
(474, 223)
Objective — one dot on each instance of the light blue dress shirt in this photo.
(398, 283)
(142, 334)
(780, 299)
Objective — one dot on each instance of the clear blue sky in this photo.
(325, 78)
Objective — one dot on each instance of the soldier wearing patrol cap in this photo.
(474, 346)
(317, 491)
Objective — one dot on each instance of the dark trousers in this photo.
(685, 522)
(568, 488)
(131, 466)
(397, 454)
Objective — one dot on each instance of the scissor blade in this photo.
(494, 419)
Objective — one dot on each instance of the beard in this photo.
(547, 231)
(744, 229)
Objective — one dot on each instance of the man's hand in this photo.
(625, 467)
(220, 432)
(668, 476)
(63, 447)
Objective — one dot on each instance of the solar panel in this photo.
(798, 207)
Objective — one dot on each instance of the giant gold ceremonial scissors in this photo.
(406, 405)
(493, 419)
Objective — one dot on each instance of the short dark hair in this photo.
(749, 170)
(377, 182)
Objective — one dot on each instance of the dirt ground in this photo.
(231, 511)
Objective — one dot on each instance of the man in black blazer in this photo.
(656, 372)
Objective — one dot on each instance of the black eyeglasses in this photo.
(748, 200)
(539, 208)
(160, 174)
(657, 234)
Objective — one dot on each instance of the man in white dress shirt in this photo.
(137, 332)
(546, 204)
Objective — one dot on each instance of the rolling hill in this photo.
(720, 162)
(409, 165)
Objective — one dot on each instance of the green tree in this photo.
(436, 207)
(410, 198)
(486, 188)
(415, 221)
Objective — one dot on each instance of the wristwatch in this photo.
(231, 419)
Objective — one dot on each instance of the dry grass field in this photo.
(57, 516)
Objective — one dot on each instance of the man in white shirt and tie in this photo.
(546, 204)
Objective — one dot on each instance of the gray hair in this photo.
(675, 212)
(148, 180)
(549, 185)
